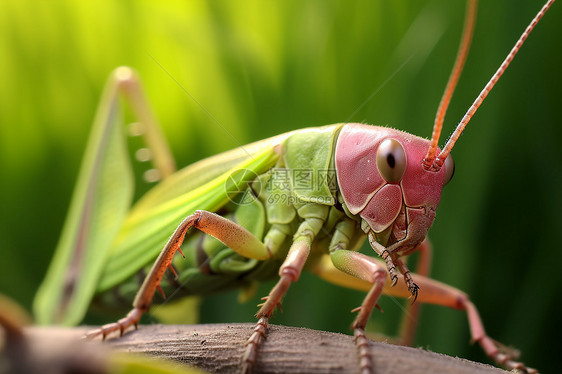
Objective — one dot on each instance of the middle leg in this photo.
(364, 268)
(314, 216)
(289, 272)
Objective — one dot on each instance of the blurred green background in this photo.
(263, 68)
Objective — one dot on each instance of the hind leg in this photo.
(231, 234)
(431, 292)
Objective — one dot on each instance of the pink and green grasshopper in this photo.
(304, 199)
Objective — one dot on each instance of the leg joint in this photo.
(292, 273)
(306, 235)
(198, 215)
(461, 302)
(378, 274)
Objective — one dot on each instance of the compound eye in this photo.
(449, 169)
(391, 160)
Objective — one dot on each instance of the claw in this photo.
(501, 358)
(511, 352)
(504, 356)
(132, 318)
(414, 291)
(394, 278)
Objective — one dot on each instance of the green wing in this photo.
(201, 172)
(152, 221)
(100, 229)
(133, 240)
(103, 241)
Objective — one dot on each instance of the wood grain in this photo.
(217, 348)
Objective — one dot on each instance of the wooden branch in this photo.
(218, 348)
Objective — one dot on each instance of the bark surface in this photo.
(218, 348)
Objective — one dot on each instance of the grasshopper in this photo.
(307, 198)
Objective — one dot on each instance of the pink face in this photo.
(381, 178)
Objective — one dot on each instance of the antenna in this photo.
(464, 46)
(440, 160)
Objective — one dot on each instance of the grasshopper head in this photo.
(382, 179)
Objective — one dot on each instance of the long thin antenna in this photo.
(464, 46)
(438, 163)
